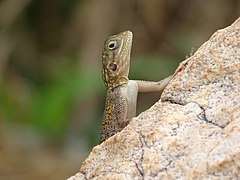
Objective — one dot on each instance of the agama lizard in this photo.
(121, 99)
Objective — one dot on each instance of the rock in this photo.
(193, 132)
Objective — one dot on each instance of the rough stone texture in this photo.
(192, 133)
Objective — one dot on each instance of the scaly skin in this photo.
(121, 99)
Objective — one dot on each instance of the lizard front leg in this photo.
(150, 86)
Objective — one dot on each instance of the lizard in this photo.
(121, 98)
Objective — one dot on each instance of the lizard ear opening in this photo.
(113, 66)
(112, 45)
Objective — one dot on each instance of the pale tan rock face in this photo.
(192, 133)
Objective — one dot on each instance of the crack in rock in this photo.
(203, 114)
(138, 164)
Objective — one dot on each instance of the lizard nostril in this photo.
(113, 67)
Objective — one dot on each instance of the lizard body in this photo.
(121, 98)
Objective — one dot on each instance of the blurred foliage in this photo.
(49, 104)
(155, 67)
(50, 58)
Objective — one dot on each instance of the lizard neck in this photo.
(115, 82)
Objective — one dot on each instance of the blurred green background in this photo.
(51, 92)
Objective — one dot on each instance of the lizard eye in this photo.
(113, 67)
(112, 45)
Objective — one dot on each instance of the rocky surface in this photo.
(192, 133)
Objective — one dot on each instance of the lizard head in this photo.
(116, 59)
